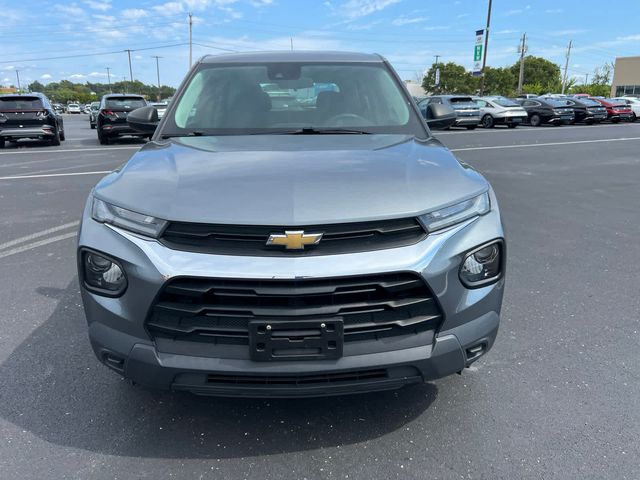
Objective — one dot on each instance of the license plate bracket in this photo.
(279, 340)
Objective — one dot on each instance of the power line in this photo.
(41, 59)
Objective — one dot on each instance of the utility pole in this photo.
(586, 79)
(130, 70)
(18, 76)
(566, 66)
(486, 45)
(523, 50)
(158, 72)
(109, 78)
(190, 38)
(436, 72)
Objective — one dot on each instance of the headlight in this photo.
(483, 265)
(445, 217)
(121, 217)
(102, 274)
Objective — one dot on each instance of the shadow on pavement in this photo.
(56, 389)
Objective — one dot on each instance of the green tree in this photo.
(453, 79)
(539, 71)
(499, 81)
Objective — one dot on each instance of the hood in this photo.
(290, 179)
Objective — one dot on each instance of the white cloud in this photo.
(97, 74)
(554, 10)
(77, 76)
(103, 6)
(563, 33)
(169, 8)
(362, 8)
(134, 13)
(505, 32)
(72, 10)
(363, 26)
(463, 15)
(437, 27)
(406, 20)
(509, 13)
(45, 76)
(262, 3)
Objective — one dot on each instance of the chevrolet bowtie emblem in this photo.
(294, 239)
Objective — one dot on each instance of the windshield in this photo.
(288, 97)
(504, 102)
(128, 103)
(20, 103)
(587, 102)
(554, 102)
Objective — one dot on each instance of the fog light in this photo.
(482, 266)
(103, 275)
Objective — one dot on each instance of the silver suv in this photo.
(293, 229)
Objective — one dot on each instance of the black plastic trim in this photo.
(100, 291)
(488, 281)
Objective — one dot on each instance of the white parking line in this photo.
(67, 150)
(499, 147)
(72, 174)
(31, 246)
(526, 128)
(42, 233)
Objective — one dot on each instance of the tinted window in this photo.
(125, 102)
(505, 102)
(460, 100)
(20, 103)
(269, 97)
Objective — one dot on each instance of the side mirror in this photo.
(439, 116)
(143, 119)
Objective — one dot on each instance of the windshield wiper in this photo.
(324, 131)
(195, 133)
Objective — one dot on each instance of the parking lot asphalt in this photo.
(557, 397)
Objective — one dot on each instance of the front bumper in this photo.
(27, 132)
(119, 338)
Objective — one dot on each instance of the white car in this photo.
(634, 103)
(74, 108)
(161, 107)
(498, 110)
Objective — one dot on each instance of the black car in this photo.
(29, 115)
(585, 110)
(550, 110)
(111, 121)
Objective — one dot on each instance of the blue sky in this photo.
(408, 32)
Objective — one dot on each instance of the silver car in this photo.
(314, 248)
(498, 110)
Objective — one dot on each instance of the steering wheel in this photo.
(337, 120)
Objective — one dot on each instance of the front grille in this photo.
(218, 311)
(297, 380)
(252, 239)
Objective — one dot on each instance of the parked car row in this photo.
(533, 110)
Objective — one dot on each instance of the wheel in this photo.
(535, 120)
(487, 121)
(512, 125)
(102, 138)
(62, 137)
(93, 126)
(589, 122)
(471, 127)
(615, 120)
(55, 141)
(633, 117)
(1, 142)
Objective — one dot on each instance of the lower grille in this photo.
(294, 380)
(219, 310)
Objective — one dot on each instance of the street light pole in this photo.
(486, 45)
(18, 76)
(190, 38)
(158, 73)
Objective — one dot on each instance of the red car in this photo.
(616, 111)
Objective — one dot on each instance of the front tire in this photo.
(512, 125)
(535, 120)
(487, 121)
(1, 142)
(102, 138)
(55, 141)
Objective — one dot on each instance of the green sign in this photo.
(477, 53)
